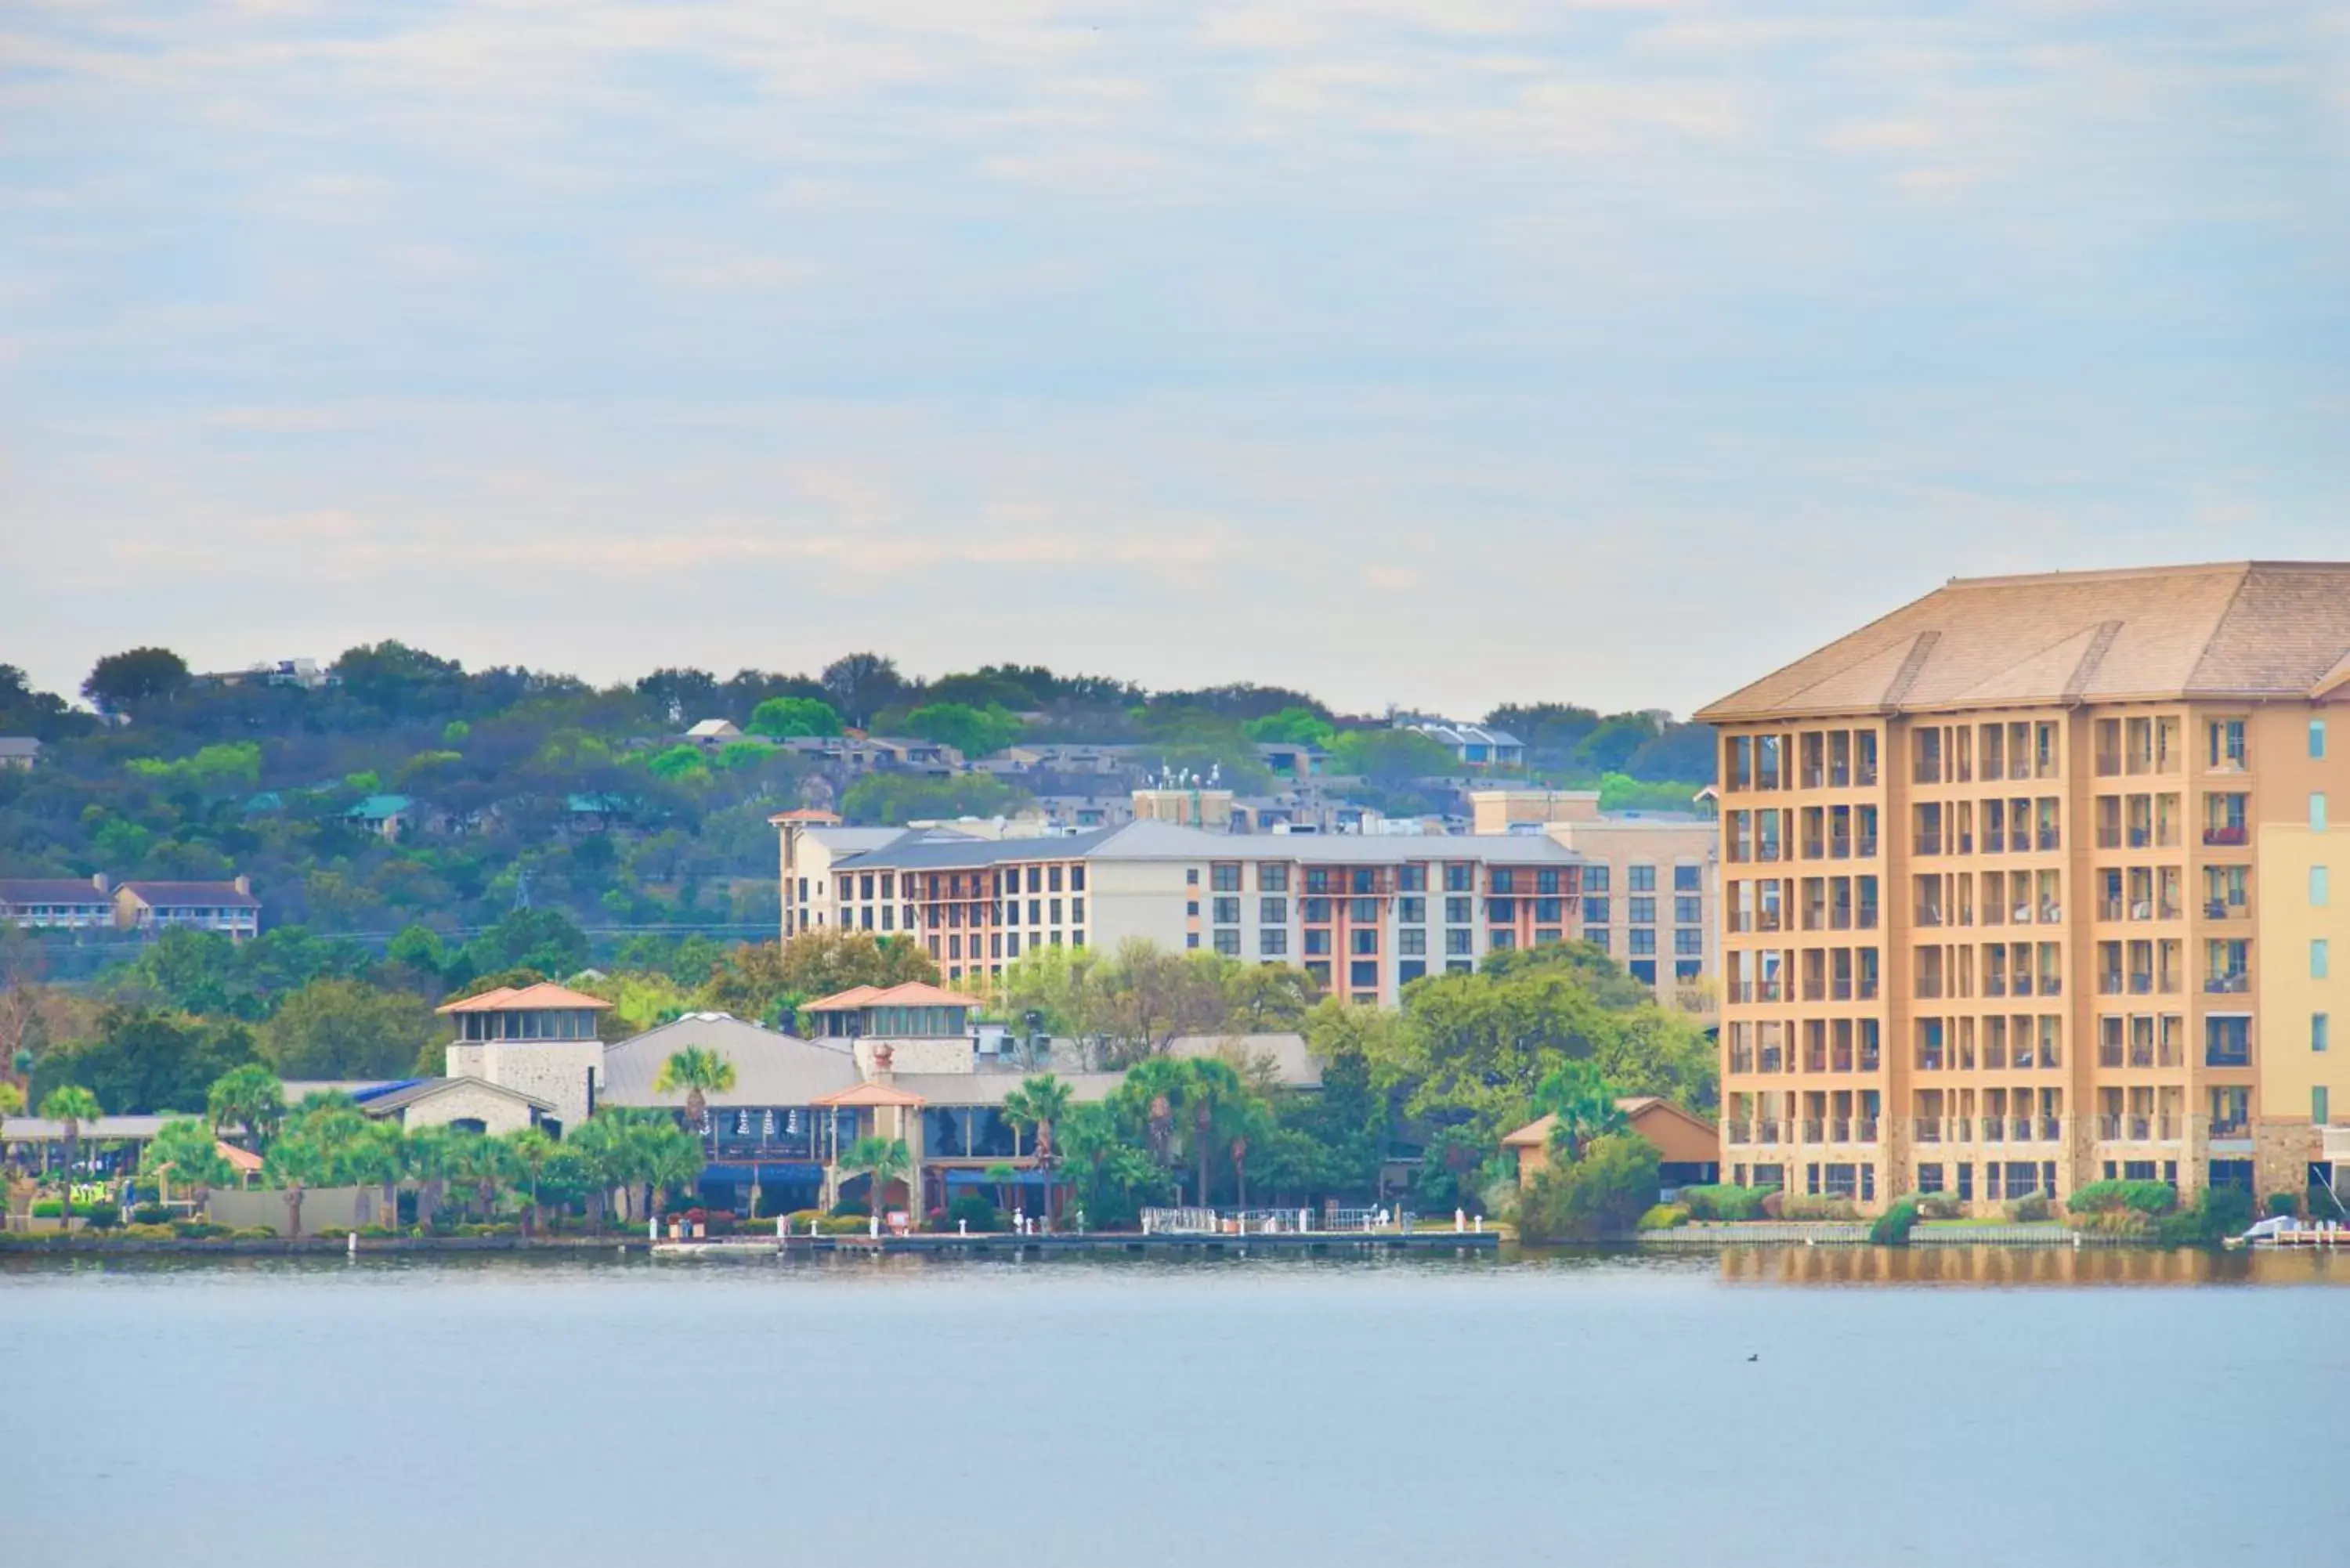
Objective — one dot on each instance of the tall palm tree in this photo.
(1040, 1102)
(429, 1155)
(1214, 1092)
(700, 1072)
(885, 1159)
(529, 1149)
(249, 1098)
(185, 1151)
(1584, 1103)
(294, 1162)
(665, 1155)
(72, 1104)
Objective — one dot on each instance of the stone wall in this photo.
(555, 1071)
(323, 1207)
(469, 1099)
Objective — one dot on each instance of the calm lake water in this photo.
(2015, 1409)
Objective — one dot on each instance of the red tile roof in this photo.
(912, 993)
(869, 1095)
(530, 998)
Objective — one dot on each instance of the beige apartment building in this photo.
(1364, 914)
(2028, 884)
(1651, 884)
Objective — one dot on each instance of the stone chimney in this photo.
(243, 885)
(102, 882)
(884, 1057)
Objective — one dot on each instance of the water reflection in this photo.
(2002, 1267)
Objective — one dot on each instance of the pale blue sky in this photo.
(1438, 354)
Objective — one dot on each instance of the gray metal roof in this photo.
(1293, 1064)
(771, 1069)
(40, 1129)
(940, 848)
(943, 1090)
(1152, 840)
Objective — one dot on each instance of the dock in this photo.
(1006, 1244)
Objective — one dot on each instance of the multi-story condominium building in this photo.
(226, 906)
(1364, 914)
(2027, 885)
(57, 903)
(1651, 884)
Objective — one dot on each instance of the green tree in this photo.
(527, 1152)
(787, 718)
(75, 1107)
(1292, 726)
(122, 681)
(700, 1071)
(973, 731)
(1584, 1103)
(248, 1099)
(1604, 1193)
(143, 1059)
(884, 1160)
(185, 1151)
(1039, 1102)
(348, 1029)
(752, 979)
(1214, 1100)
(547, 940)
(894, 799)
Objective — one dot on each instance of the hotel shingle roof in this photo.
(2245, 630)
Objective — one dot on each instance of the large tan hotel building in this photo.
(2028, 884)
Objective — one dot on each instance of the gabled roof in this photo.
(52, 890)
(771, 1069)
(507, 999)
(865, 1095)
(912, 993)
(184, 895)
(407, 1094)
(2246, 629)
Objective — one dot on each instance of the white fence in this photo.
(1274, 1221)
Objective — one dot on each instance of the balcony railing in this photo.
(1865, 1129)
(2222, 909)
(1814, 1130)
(2051, 839)
(2141, 982)
(1840, 1129)
(2223, 836)
(1840, 847)
(1868, 916)
(1767, 1132)
(1928, 844)
(2227, 984)
(1738, 1131)
(2109, 909)
(1867, 846)
(2231, 1127)
(1925, 1129)
(1929, 915)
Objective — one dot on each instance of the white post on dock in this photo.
(1459, 1221)
(652, 1228)
(1481, 1224)
(962, 1227)
(352, 1250)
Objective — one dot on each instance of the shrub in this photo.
(197, 1230)
(1664, 1217)
(137, 1232)
(2218, 1213)
(797, 1221)
(975, 1211)
(2281, 1204)
(1603, 1194)
(100, 1216)
(1725, 1203)
(1940, 1206)
(2140, 1197)
(844, 1224)
(152, 1214)
(252, 1233)
(48, 1208)
(1792, 1207)
(1892, 1228)
(2029, 1210)
(850, 1212)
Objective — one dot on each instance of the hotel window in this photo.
(1056, 907)
(2227, 743)
(1459, 877)
(1456, 911)
(954, 947)
(2317, 887)
(2317, 739)
(1191, 876)
(1011, 944)
(1363, 911)
(1271, 879)
(1505, 880)
(1689, 911)
(1077, 911)
(1317, 941)
(1643, 878)
(1412, 943)
(1594, 879)
(1643, 911)
(1503, 910)
(1549, 912)
(1225, 877)
(2317, 955)
(1412, 878)
(1053, 879)
(2317, 811)
(1192, 908)
(1595, 911)
(1456, 942)
(1227, 911)
(1314, 911)
(1361, 942)
(1547, 881)
(1688, 944)
(1228, 942)
(1273, 943)
(1411, 912)
(2321, 1027)
(1688, 878)
(2320, 1110)
(1363, 974)
(1644, 944)
(1273, 911)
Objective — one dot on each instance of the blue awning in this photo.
(1030, 1177)
(777, 1173)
